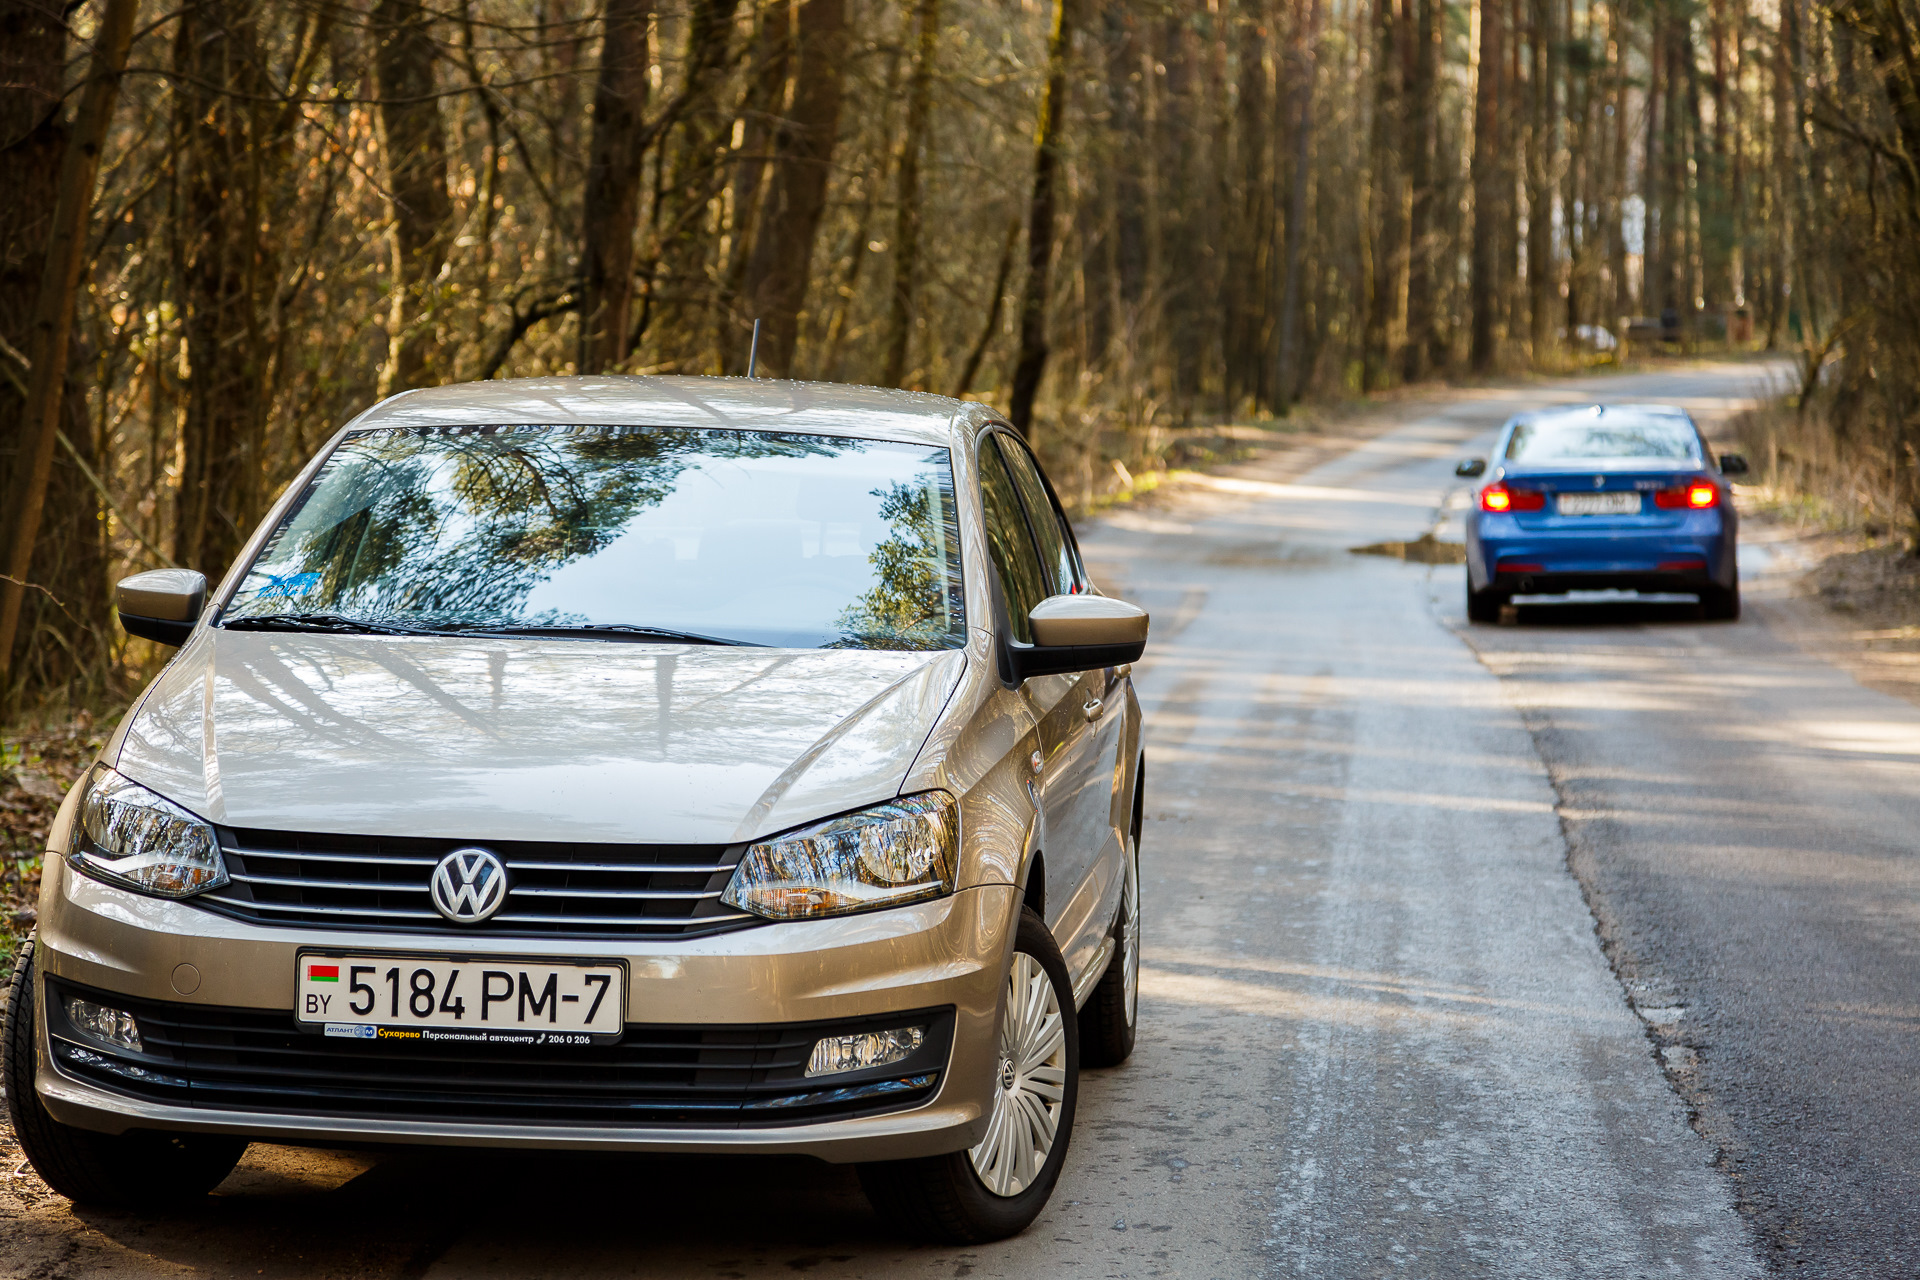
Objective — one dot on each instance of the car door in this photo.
(1088, 720)
(1024, 582)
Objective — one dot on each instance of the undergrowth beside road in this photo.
(37, 767)
(1851, 500)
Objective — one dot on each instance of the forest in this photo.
(227, 226)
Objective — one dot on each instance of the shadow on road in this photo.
(288, 1212)
(1622, 614)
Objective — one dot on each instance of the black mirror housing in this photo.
(1733, 464)
(1471, 468)
(159, 630)
(1026, 661)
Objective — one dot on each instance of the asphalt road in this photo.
(1383, 1034)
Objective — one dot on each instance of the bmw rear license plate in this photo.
(433, 999)
(1598, 504)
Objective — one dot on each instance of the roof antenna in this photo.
(753, 352)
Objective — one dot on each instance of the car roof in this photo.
(758, 404)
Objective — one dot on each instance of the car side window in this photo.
(1056, 552)
(1015, 560)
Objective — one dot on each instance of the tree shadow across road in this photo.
(293, 1212)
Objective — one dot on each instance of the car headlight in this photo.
(897, 852)
(132, 837)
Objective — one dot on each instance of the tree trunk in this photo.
(1031, 366)
(782, 262)
(1542, 286)
(413, 140)
(217, 263)
(1290, 373)
(69, 551)
(763, 112)
(610, 209)
(906, 231)
(1420, 132)
(1617, 187)
(695, 173)
(1386, 299)
(50, 335)
(1250, 247)
(1488, 171)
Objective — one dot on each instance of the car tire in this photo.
(948, 1199)
(122, 1171)
(1483, 606)
(1111, 1015)
(1721, 604)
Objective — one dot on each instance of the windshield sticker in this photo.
(287, 586)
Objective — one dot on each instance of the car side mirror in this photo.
(1080, 633)
(1471, 468)
(1732, 464)
(162, 604)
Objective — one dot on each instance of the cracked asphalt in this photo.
(1583, 945)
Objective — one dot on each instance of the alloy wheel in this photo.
(1030, 1086)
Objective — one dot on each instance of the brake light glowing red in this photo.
(1497, 497)
(1696, 495)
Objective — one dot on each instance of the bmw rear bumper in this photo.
(1505, 556)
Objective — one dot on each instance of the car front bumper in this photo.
(949, 953)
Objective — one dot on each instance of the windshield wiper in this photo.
(334, 623)
(612, 631)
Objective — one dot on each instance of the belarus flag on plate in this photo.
(323, 973)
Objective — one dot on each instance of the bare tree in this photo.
(906, 229)
(1031, 365)
(414, 143)
(52, 329)
(781, 266)
(1488, 170)
(610, 208)
(1305, 62)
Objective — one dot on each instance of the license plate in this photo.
(1598, 504)
(428, 999)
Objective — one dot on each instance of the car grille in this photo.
(554, 889)
(713, 1077)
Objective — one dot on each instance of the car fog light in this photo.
(109, 1026)
(868, 1049)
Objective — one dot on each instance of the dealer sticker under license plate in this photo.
(1598, 504)
(419, 998)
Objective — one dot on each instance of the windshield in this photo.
(746, 537)
(1600, 440)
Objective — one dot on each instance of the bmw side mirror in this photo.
(1732, 464)
(1079, 633)
(162, 604)
(1471, 467)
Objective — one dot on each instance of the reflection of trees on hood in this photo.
(465, 522)
(913, 600)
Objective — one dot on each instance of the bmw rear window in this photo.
(1600, 440)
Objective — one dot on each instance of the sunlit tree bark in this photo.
(610, 209)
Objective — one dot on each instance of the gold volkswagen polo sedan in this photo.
(610, 764)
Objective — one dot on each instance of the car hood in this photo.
(529, 739)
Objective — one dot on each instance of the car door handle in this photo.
(1092, 709)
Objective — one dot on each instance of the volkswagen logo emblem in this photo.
(469, 885)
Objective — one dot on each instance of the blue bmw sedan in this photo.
(1624, 497)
